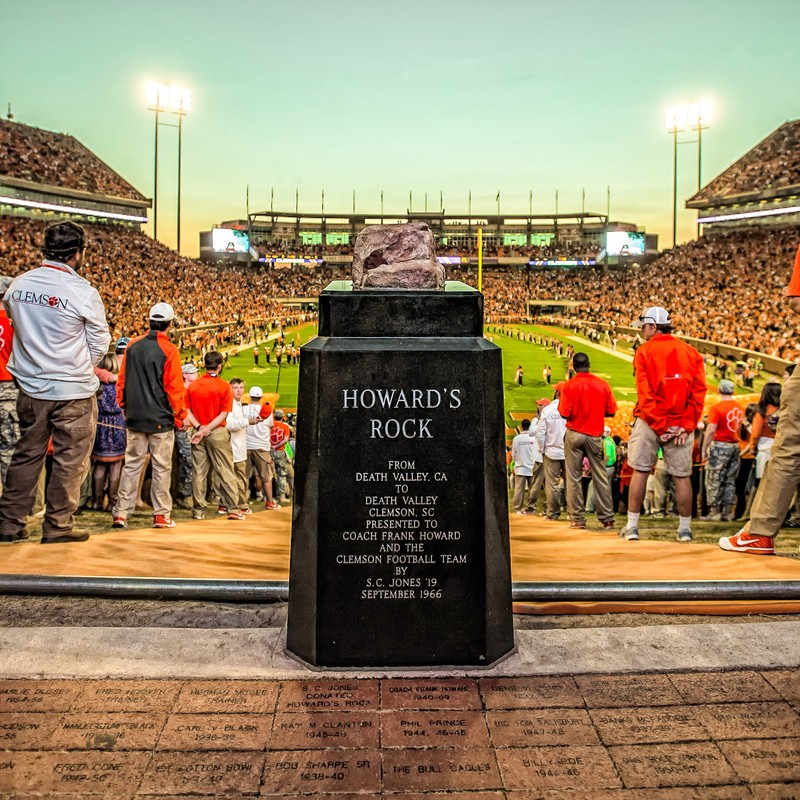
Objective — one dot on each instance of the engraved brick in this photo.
(107, 731)
(73, 796)
(749, 720)
(317, 731)
(574, 767)
(454, 728)
(648, 724)
(677, 764)
(184, 797)
(127, 695)
(776, 791)
(240, 697)
(343, 695)
(439, 769)
(533, 728)
(429, 693)
(107, 774)
(786, 682)
(216, 732)
(26, 695)
(612, 691)
(368, 796)
(203, 773)
(321, 771)
(538, 692)
(682, 793)
(723, 687)
(27, 731)
(446, 796)
(764, 761)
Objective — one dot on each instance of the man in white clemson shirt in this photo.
(60, 333)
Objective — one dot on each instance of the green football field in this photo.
(615, 367)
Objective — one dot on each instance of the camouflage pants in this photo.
(9, 425)
(279, 459)
(721, 470)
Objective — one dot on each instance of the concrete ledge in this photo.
(184, 653)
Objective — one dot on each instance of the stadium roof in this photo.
(770, 170)
(58, 160)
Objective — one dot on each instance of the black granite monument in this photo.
(400, 550)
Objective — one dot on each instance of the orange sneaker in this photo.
(744, 542)
(160, 521)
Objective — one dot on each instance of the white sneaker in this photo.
(630, 534)
(685, 535)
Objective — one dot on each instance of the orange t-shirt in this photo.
(208, 396)
(760, 429)
(727, 415)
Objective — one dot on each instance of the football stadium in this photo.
(477, 478)
(551, 287)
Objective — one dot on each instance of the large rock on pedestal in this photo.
(396, 257)
(400, 548)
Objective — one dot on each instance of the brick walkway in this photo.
(707, 736)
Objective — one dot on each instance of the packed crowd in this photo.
(773, 163)
(57, 159)
(130, 269)
(730, 287)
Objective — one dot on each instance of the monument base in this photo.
(400, 551)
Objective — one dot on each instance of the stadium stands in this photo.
(57, 159)
(132, 271)
(726, 287)
(773, 164)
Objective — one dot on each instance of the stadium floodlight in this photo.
(677, 118)
(177, 100)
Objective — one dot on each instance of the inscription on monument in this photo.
(401, 509)
(398, 529)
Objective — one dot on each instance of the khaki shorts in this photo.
(643, 451)
(261, 461)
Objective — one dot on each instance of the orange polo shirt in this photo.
(208, 396)
(586, 401)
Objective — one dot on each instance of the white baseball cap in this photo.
(655, 315)
(255, 391)
(162, 312)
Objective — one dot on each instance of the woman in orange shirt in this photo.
(765, 422)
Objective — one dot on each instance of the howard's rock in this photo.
(396, 257)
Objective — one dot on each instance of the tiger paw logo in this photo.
(53, 301)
